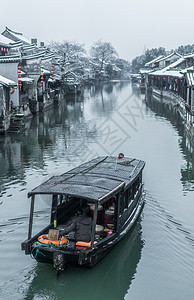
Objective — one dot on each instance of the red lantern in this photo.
(42, 75)
(19, 77)
(52, 71)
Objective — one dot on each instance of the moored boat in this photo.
(109, 189)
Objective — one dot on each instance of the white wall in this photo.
(10, 71)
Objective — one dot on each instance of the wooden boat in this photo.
(110, 187)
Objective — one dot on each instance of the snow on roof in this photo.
(189, 55)
(48, 56)
(29, 47)
(46, 72)
(154, 60)
(173, 73)
(9, 58)
(19, 36)
(171, 66)
(34, 56)
(4, 40)
(7, 82)
(27, 79)
(170, 55)
(145, 71)
(174, 64)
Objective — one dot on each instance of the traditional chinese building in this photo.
(7, 88)
(36, 64)
(175, 81)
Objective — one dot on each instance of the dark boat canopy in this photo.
(97, 179)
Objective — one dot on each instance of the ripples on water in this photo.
(155, 260)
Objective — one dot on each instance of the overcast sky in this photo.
(129, 25)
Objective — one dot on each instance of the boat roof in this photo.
(98, 179)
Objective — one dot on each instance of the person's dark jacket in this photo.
(82, 226)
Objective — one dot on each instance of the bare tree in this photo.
(103, 52)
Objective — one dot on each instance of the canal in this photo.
(156, 259)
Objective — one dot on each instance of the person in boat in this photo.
(82, 225)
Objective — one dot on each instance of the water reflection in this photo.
(104, 98)
(57, 132)
(168, 110)
(109, 279)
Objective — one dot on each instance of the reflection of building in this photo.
(167, 109)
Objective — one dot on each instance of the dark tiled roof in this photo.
(94, 179)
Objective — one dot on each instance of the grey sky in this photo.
(129, 25)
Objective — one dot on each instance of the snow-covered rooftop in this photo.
(154, 60)
(173, 73)
(7, 82)
(170, 55)
(46, 72)
(4, 40)
(17, 35)
(145, 71)
(9, 58)
(27, 79)
(189, 55)
(21, 37)
(174, 64)
(168, 71)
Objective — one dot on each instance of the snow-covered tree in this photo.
(103, 53)
(71, 58)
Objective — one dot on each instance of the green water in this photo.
(156, 259)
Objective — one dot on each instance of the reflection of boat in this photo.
(111, 185)
(110, 279)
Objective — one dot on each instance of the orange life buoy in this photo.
(43, 239)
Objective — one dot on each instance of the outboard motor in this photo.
(59, 261)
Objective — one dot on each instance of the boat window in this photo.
(122, 202)
(135, 186)
(128, 196)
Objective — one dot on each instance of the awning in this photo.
(7, 82)
(27, 79)
(46, 72)
(172, 73)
